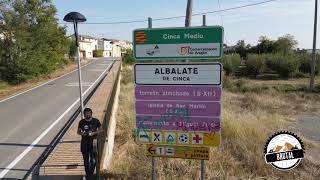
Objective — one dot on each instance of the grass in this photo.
(249, 117)
(7, 90)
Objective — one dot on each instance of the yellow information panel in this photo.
(184, 152)
(178, 138)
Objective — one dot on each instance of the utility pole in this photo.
(313, 62)
(188, 14)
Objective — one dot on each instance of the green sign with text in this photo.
(178, 43)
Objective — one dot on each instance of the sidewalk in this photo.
(65, 162)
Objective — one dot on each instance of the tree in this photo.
(285, 44)
(34, 42)
(265, 45)
(242, 49)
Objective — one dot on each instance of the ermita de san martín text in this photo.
(176, 71)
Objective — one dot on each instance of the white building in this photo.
(106, 46)
(87, 45)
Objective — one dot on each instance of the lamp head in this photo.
(74, 16)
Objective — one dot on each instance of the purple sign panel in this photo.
(178, 123)
(187, 109)
(183, 93)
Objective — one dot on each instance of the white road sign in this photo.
(178, 74)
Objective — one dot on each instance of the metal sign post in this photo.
(202, 161)
(153, 160)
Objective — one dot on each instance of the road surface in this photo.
(30, 120)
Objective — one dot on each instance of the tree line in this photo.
(31, 41)
(269, 59)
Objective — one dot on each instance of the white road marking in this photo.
(96, 70)
(44, 83)
(44, 133)
(76, 84)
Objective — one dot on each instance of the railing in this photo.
(103, 137)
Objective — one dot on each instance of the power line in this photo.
(177, 17)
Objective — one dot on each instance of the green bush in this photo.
(98, 53)
(255, 64)
(127, 57)
(231, 63)
(284, 65)
(305, 60)
(300, 75)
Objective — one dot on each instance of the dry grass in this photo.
(248, 120)
(7, 90)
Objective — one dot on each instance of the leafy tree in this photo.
(127, 57)
(242, 49)
(34, 43)
(285, 44)
(264, 46)
(231, 63)
(255, 64)
(97, 53)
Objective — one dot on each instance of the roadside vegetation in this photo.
(255, 106)
(269, 59)
(33, 47)
(32, 43)
(252, 111)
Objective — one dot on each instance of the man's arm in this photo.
(79, 132)
(99, 129)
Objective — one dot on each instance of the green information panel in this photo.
(178, 43)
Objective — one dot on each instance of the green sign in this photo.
(178, 43)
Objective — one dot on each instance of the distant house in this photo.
(126, 44)
(120, 46)
(87, 45)
(105, 45)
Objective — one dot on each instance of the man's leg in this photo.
(85, 156)
(92, 160)
(86, 159)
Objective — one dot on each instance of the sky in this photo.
(273, 19)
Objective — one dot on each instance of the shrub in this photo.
(305, 60)
(127, 57)
(231, 63)
(285, 66)
(300, 75)
(255, 64)
(98, 53)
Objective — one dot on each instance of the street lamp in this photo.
(76, 17)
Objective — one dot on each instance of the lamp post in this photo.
(76, 17)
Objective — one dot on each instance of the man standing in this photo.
(88, 128)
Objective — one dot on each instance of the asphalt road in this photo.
(36, 116)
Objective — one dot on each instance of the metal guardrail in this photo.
(35, 169)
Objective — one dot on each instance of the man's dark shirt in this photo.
(89, 126)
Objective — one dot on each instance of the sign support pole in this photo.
(153, 160)
(313, 61)
(202, 161)
(202, 170)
